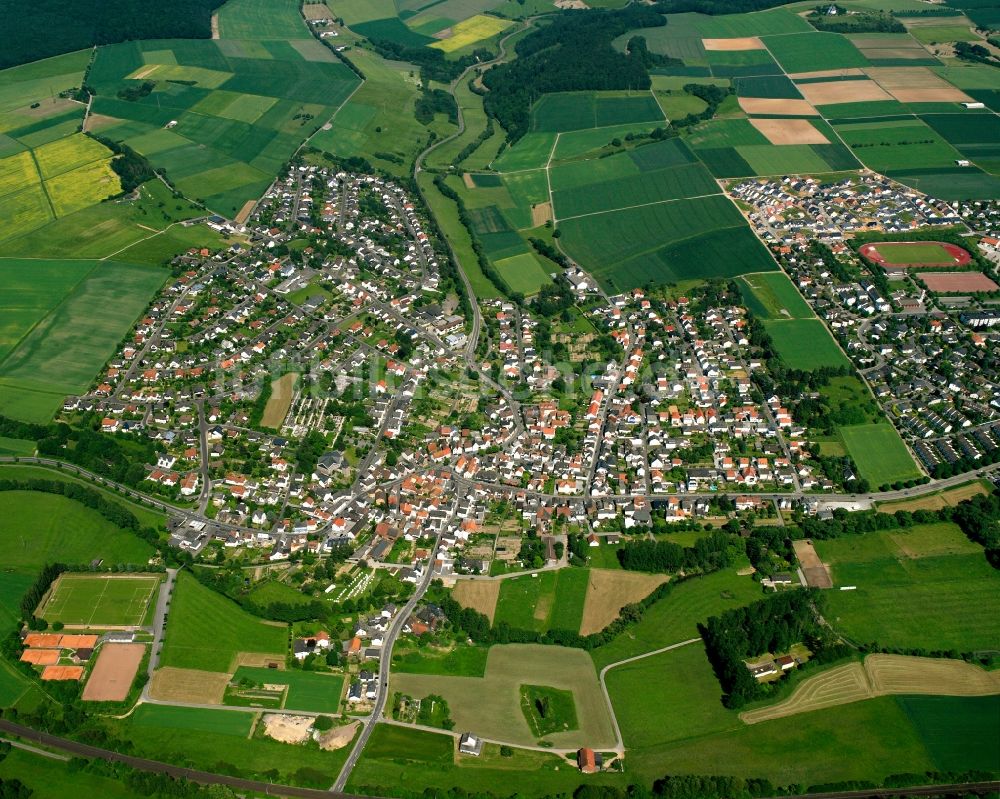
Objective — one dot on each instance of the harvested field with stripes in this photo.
(877, 676)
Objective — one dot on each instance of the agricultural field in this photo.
(939, 499)
(491, 705)
(50, 778)
(51, 359)
(880, 454)
(810, 52)
(771, 295)
(896, 145)
(959, 732)
(555, 113)
(100, 600)
(457, 661)
(470, 32)
(609, 590)
(303, 690)
(203, 92)
(208, 631)
(926, 587)
(805, 343)
(666, 242)
(552, 600)
(548, 710)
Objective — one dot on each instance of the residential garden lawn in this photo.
(459, 661)
(681, 680)
(492, 705)
(805, 344)
(100, 600)
(879, 452)
(926, 587)
(552, 600)
(401, 759)
(54, 357)
(771, 295)
(38, 528)
(206, 630)
(49, 778)
(675, 617)
(307, 690)
(548, 710)
(959, 732)
(217, 740)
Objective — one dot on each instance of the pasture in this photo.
(52, 358)
(771, 295)
(531, 151)
(491, 705)
(879, 453)
(805, 343)
(550, 600)
(92, 600)
(207, 631)
(924, 587)
(302, 690)
(39, 528)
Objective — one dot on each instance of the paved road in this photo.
(144, 764)
(159, 619)
(368, 725)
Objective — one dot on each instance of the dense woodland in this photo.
(36, 29)
(571, 53)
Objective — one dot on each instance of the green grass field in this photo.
(39, 528)
(809, 52)
(916, 253)
(205, 630)
(523, 273)
(805, 344)
(51, 778)
(52, 357)
(959, 732)
(580, 110)
(531, 151)
(897, 144)
(461, 661)
(772, 295)
(100, 600)
(548, 710)
(552, 600)
(926, 587)
(305, 690)
(879, 453)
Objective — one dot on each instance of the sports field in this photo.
(917, 253)
(805, 343)
(926, 587)
(50, 358)
(879, 453)
(492, 705)
(207, 631)
(100, 600)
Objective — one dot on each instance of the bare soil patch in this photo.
(99, 122)
(944, 499)
(215, 26)
(826, 73)
(609, 590)
(540, 214)
(259, 659)
(314, 11)
(916, 85)
(843, 91)
(816, 573)
(288, 729)
(282, 392)
(789, 131)
(767, 106)
(338, 737)
(729, 45)
(245, 212)
(479, 595)
(112, 677)
(893, 52)
(468, 181)
(445, 34)
(957, 281)
(878, 676)
(188, 685)
(578, 5)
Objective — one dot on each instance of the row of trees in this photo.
(707, 554)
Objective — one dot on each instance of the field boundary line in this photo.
(644, 205)
(41, 183)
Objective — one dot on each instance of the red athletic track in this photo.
(871, 252)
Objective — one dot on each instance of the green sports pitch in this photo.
(100, 600)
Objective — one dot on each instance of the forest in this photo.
(572, 53)
(41, 28)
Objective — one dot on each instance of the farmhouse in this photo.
(469, 744)
(589, 761)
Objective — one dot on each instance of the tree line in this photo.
(571, 53)
(707, 554)
(42, 28)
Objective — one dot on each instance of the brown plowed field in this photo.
(767, 106)
(729, 45)
(479, 595)
(789, 131)
(842, 91)
(609, 590)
